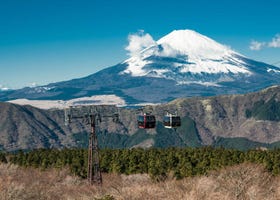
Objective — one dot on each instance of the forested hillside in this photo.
(158, 163)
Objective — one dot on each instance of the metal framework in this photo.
(90, 115)
(93, 155)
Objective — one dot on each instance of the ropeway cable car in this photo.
(146, 121)
(171, 121)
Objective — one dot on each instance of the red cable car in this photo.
(146, 121)
(171, 121)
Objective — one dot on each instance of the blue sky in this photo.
(43, 41)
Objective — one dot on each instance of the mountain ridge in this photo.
(227, 120)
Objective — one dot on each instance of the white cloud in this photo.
(167, 51)
(255, 45)
(138, 42)
(275, 43)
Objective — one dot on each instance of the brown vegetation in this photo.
(245, 181)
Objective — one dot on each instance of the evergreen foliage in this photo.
(158, 163)
(262, 110)
(240, 143)
(3, 158)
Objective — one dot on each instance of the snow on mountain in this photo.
(191, 43)
(60, 104)
(273, 70)
(3, 88)
(189, 52)
(183, 63)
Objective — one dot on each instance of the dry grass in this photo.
(246, 181)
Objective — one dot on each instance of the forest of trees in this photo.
(158, 163)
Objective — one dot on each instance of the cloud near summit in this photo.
(138, 42)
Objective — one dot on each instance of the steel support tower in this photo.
(93, 118)
(94, 172)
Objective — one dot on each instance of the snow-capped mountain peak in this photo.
(181, 64)
(184, 52)
(191, 43)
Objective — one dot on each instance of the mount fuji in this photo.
(186, 57)
(183, 63)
